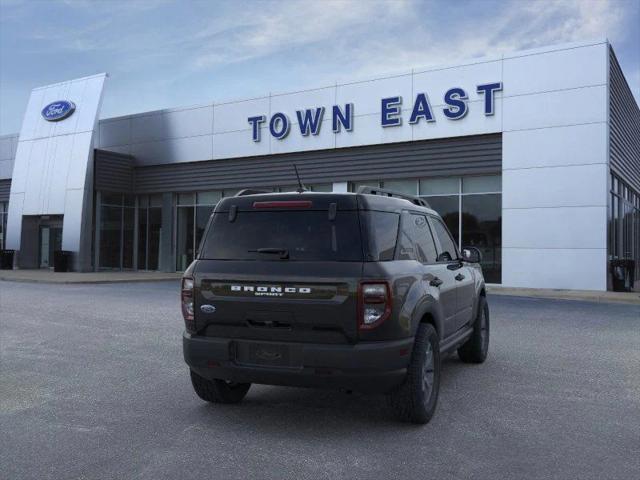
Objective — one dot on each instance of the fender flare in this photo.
(428, 307)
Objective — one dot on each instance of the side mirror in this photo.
(471, 255)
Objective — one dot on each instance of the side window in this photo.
(406, 240)
(424, 240)
(381, 232)
(416, 242)
(447, 244)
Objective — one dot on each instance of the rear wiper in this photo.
(283, 252)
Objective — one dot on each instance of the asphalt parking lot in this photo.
(93, 386)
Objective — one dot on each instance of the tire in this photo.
(476, 348)
(218, 391)
(416, 399)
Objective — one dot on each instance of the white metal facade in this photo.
(52, 169)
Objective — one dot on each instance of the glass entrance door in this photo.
(50, 241)
(44, 247)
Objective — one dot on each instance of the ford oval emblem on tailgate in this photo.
(207, 308)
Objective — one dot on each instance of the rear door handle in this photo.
(435, 282)
(459, 277)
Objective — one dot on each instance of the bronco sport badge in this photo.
(270, 291)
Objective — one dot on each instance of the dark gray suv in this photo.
(357, 291)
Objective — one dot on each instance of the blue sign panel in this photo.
(56, 111)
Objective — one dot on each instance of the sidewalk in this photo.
(585, 295)
(49, 276)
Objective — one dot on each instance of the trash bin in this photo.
(622, 274)
(61, 260)
(6, 259)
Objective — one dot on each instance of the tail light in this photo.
(186, 296)
(374, 302)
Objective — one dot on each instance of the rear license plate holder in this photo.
(263, 354)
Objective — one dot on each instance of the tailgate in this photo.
(282, 301)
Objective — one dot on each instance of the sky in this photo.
(162, 53)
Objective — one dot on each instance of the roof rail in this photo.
(251, 191)
(390, 193)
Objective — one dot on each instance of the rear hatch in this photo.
(280, 267)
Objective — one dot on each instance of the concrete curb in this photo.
(631, 298)
(87, 282)
(77, 278)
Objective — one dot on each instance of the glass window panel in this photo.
(143, 201)
(155, 233)
(448, 208)
(490, 183)
(229, 193)
(322, 187)
(110, 236)
(142, 238)
(129, 200)
(3, 223)
(209, 198)
(127, 237)
(406, 242)
(482, 228)
(383, 234)
(448, 249)
(364, 183)
(611, 226)
(184, 250)
(202, 217)
(186, 199)
(409, 187)
(288, 188)
(155, 200)
(111, 198)
(614, 226)
(416, 240)
(439, 186)
(305, 236)
(426, 244)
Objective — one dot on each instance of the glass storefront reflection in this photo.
(449, 209)
(110, 233)
(482, 228)
(185, 235)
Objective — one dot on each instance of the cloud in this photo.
(515, 26)
(293, 25)
(344, 40)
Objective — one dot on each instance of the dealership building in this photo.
(533, 157)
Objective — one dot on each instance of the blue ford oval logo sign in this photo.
(56, 111)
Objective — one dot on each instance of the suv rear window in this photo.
(305, 235)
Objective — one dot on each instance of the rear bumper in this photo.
(366, 367)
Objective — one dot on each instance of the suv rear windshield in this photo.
(284, 235)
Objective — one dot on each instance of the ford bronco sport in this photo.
(357, 291)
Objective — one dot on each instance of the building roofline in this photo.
(75, 80)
